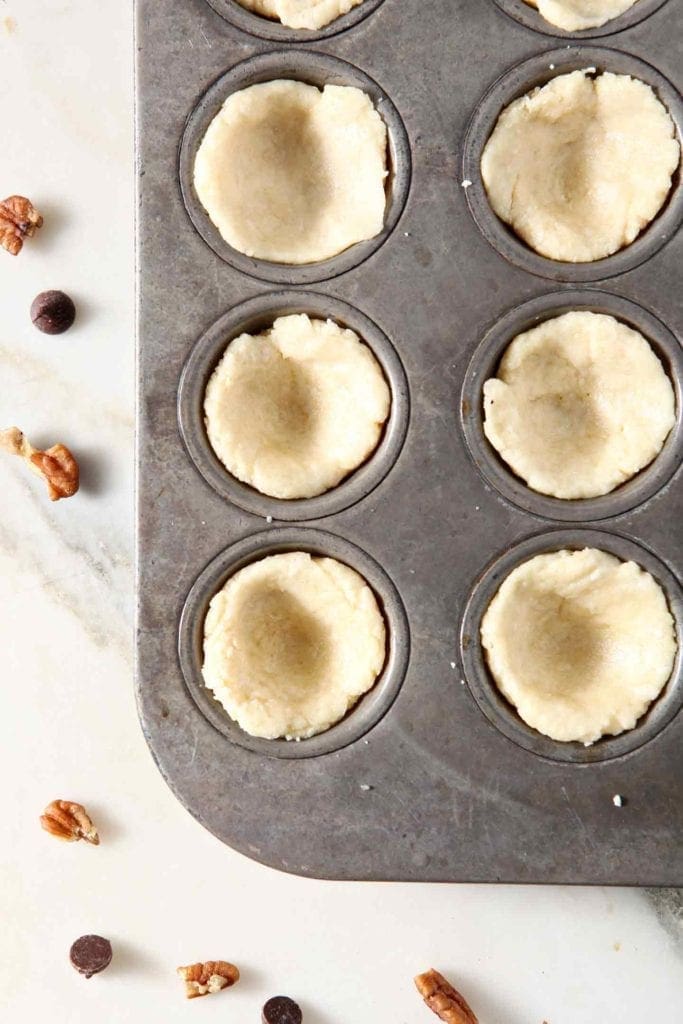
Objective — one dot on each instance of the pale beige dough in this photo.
(579, 404)
(309, 14)
(581, 165)
(577, 15)
(296, 409)
(580, 643)
(291, 643)
(293, 174)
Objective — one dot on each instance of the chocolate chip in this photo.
(281, 1010)
(90, 954)
(53, 312)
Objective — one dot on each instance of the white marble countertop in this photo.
(160, 887)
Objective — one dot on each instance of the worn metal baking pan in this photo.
(459, 789)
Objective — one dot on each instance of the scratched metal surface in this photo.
(456, 795)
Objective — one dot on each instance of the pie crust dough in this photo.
(301, 13)
(580, 643)
(293, 174)
(294, 410)
(577, 15)
(581, 165)
(291, 643)
(580, 404)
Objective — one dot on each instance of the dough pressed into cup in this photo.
(309, 14)
(581, 165)
(577, 15)
(579, 405)
(294, 174)
(291, 643)
(580, 643)
(294, 410)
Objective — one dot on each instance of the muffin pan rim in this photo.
(370, 708)
(274, 31)
(251, 315)
(502, 715)
(533, 20)
(519, 80)
(645, 485)
(317, 68)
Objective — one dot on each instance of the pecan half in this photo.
(445, 1001)
(212, 976)
(57, 465)
(69, 821)
(19, 219)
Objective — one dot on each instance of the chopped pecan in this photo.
(69, 821)
(18, 220)
(445, 1001)
(57, 465)
(209, 977)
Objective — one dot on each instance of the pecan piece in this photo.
(57, 465)
(19, 219)
(69, 821)
(209, 977)
(445, 1001)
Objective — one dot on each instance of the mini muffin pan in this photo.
(433, 775)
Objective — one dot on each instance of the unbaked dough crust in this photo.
(291, 643)
(311, 14)
(581, 165)
(577, 15)
(580, 643)
(294, 410)
(579, 405)
(293, 174)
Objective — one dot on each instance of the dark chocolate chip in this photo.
(90, 954)
(281, 1010)
(53, 312)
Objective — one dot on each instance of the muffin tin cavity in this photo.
(648, 482)
(257, 315)
(369, 710)
(528, 16)
(502, 715)
(521, 80)
(267, 28)
(316, 69)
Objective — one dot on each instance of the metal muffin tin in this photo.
(432, 776)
